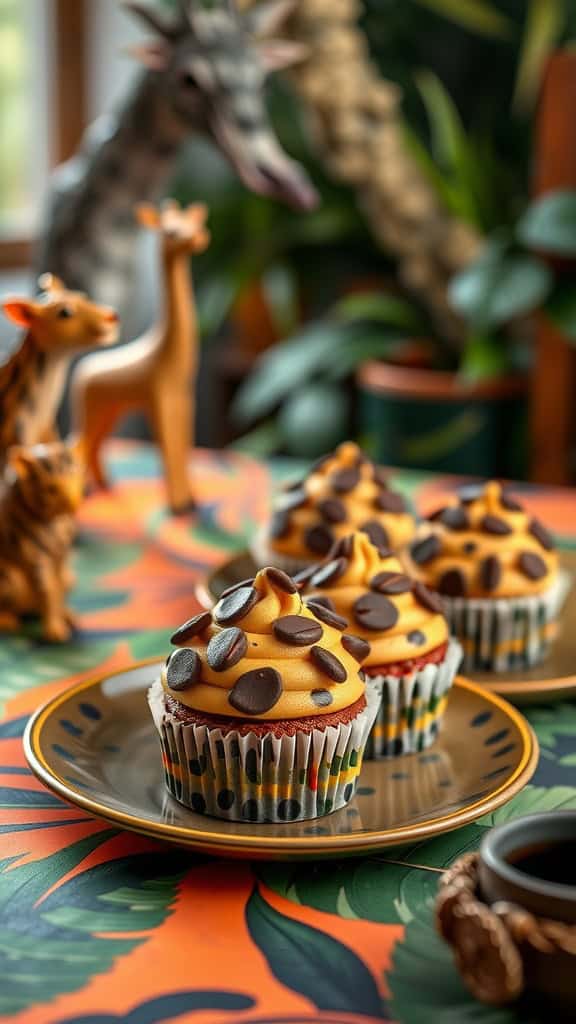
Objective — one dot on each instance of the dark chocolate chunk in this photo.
(542, 535)
(389, 501)
(532, 565)
(319, 539)
(321, 698)
(508, 501)
(416, 637)
(226, 648)
(191, 628)
(279, 578)
(256, 691)
(470, 493)
(297, 630)
(326, 615)
(490, 572)
(290, 500)
(342, 547)
(326, 602)
(469, 547)
(356, 646)
(345, 480)
(455, 518)
(329, 572)
(377, 533)
(452, 583)
(332, 510)
(495, 525)
(279, 524)
(183, 669)
(235, 606)
(301, 578)
(391, 583)
(236, 586)
(329, 664)
(423, 551)
(375, 612)
(427, 598)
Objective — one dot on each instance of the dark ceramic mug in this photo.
(520, 863)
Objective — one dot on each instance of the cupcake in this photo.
(343, 492)
(408, 650)
(496, 570)
(262, 711)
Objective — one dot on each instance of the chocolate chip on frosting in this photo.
(297, 630)
(532, 565)
(183, 669)
(423, 551)
(329, 572)
(391, 583)
(509, 502)
(542, 535)
(495, 525)
(280, 524)
(193, 627)
(490, 572)
(235, 606)
(256, 691)
(345, 480)
(356, 646)
(332, 510)
(416, 637)
(452, 583)
(377, 533)
(290, 500)
(389, 501)
(469, 547)
(329, 664)
(455, 518)
(319, 538)
(321, 698)
(427, 598)
(326, 615)
(226, 649)
(375, 612)
(301, 578)
(280, 579)
(343, 547)
(324, 600)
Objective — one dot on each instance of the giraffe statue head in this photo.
(214, 62)
(182, 229)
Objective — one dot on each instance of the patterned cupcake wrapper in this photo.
(507, 633)
(263, 555)
(412, 707)
(262, 778)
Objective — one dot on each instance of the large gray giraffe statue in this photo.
(205, 72)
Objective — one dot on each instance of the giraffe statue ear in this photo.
(276, 54)
(147, 215)
(20, 311)
(51, 283)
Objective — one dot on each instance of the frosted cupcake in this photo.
(408, 650)
(496, 570)
(343, 492)
(262, 711)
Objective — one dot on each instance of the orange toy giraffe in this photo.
(58, 324)
(155, 373)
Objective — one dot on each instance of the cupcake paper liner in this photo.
(507, 633)
(262, 778)
(411, 707)
(264, 555)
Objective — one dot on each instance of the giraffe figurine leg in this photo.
(172, 415)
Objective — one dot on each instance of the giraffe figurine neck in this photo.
(179, 334)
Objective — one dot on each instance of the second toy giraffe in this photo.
(156, 373)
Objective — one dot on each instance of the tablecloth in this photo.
(99, 925)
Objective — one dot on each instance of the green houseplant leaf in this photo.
(381, 307)
(549, 223)
(474, 15)
(499, 286)
(542, 30)
(313, 419)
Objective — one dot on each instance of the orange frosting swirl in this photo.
(484, 544)
(343, 492)
(415, 627)
(301, 677)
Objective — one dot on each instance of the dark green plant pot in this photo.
(426, 419)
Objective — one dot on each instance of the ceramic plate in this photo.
(553, 679)
(95, 745)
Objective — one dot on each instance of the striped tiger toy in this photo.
(40, 491)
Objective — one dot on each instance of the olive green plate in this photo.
(551, 680)
(95, 745)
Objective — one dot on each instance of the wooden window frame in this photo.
(69, 100)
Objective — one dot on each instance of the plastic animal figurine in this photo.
(155, 373)
(58, 325)
(40, 491)
(206, 71)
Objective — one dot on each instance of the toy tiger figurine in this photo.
(40, 492)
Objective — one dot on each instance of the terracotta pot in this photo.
(429, 419)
